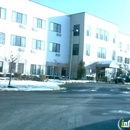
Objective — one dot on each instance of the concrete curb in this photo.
(32, 89)
(58, 89)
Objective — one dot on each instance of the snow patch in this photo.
(30, 85)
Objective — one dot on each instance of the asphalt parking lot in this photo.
(88, 106)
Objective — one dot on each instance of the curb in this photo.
(58, 89)
(27, 90)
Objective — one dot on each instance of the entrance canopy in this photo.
(107, 64)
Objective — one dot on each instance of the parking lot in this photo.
(86, 106)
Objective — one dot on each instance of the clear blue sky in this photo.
(115, 11)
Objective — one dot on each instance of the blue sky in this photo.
(115, 11)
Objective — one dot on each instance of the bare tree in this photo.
(56, 67)
(11, 60)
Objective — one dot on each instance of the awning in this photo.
(107, 64)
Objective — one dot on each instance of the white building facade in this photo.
(26, 30)
(50, 42)
(95, 41)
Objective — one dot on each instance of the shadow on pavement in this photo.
(104, 125)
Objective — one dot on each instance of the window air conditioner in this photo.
(58, 34)
(34, 29)
(22, 26)
(57, 54)
(21, 49)
(32, 51)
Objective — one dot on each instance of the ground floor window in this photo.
(33, 69)
(12, 67)
(20, 67)
(50, 70)
(1, 66)
(63, 71)
(36, 69)
(39, 69)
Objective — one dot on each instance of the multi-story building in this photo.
(99, 44)
(37, 33)
(51, 42)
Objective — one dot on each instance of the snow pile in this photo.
(30, 85)
(23, 85)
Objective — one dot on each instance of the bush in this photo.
(25, 77)
(42, 77)
(51, 77)
(35, 78)
(8, 75)
(90, 78)
(17, 75)
(1, 75)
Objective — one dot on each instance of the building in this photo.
(36, 33)
(99, 44)
(51, 42)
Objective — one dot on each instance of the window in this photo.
(102, 34)
(2, 13)
(2, 38)
(18, 41)
(55, 27)
(106, 35)
(127, 47)
(76, 30)
(127, 60)
(1, 66)
(38, 44)
(50, 70)
(97, 33)
(119, 59)
(39, 23)
(33, 69)
(75, 49)
(19, 17)
(113, 55)
(20, 67)
(54, 47)
(39, 70)
(120, 45)
(12, 67)
(63, 71)
(101, 53)
(114, 39)
(88, 50)
(88, 30)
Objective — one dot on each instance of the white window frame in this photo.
(55, 27)
(38, 44)
(2, 38)
(36, 23)
(19, 17)
(2, 13)
(18, 41)
(54, 47)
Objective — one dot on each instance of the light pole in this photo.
(71, 45)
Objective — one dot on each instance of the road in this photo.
(88, 106)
